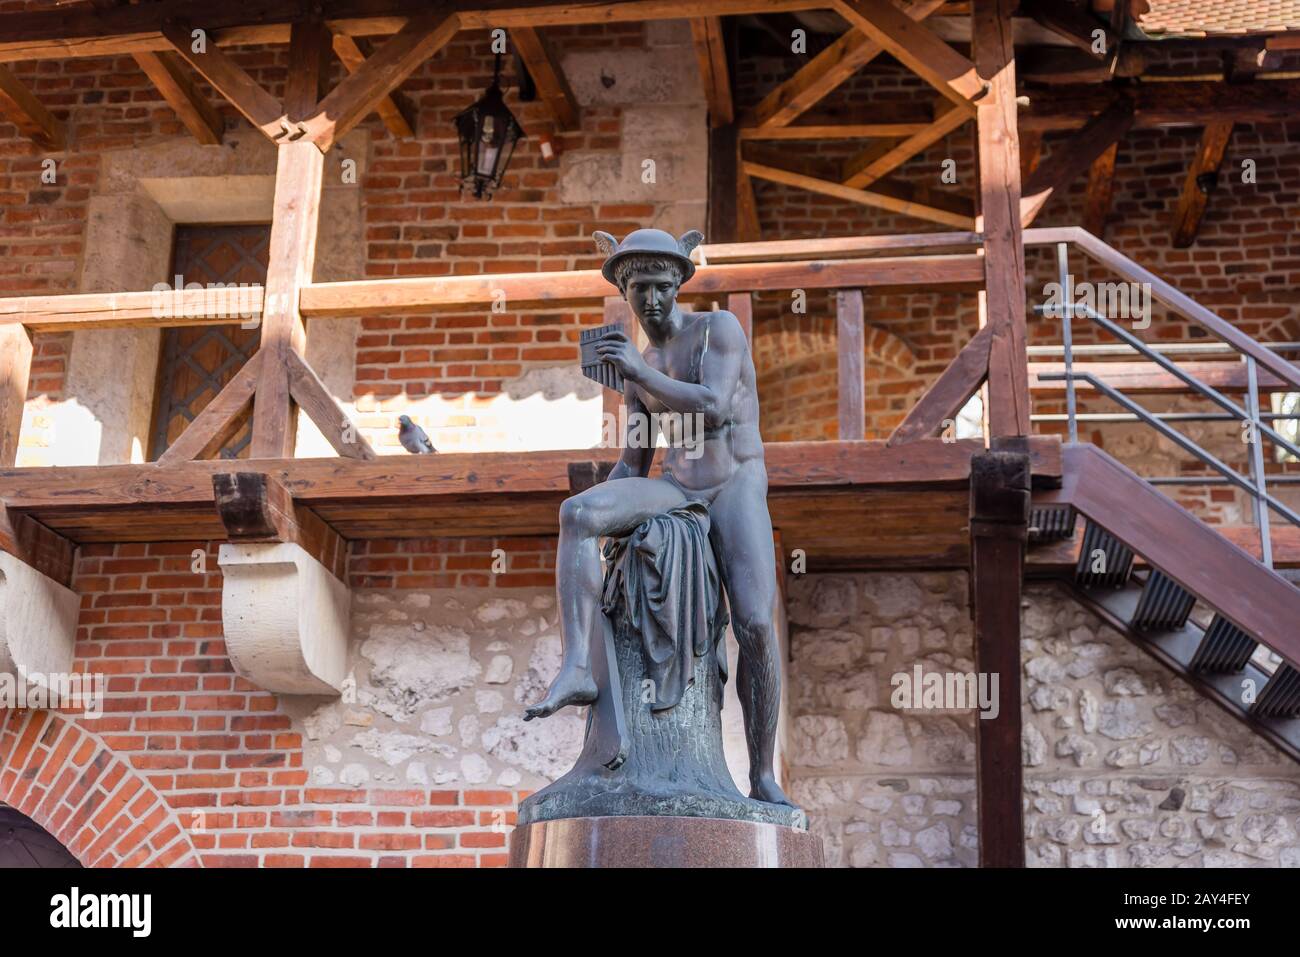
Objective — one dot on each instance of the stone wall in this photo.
(1125, 764)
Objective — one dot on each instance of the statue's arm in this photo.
(636, 459)
(719, 373)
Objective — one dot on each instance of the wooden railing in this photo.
(727, 274)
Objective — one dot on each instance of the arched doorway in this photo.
(24, 843)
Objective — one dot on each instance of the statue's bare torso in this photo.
(698, 460)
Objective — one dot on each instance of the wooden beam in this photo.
(394, 113)
(952, 390)
(312, 397)
(392, 480)
(136, 310)
(1201, 176)
(999, 184)
(916, 47)
(724, 186)
(15, 372)
(850, 346)
(999, 522)
(1183, 103)
(1071, 22)
(778, 249)
(27, 540)
(22, 109)
(220, 419)
(168, 76)
(834, 131)
(897, 198)
(255, 507)
(1147, 378)
(85, 32)
(230, 80)
(749, 228)
(295, 221)
(1101, 185)
(872, 163)
(741, 305)
(1073, 156)
(824, 72)
(1031, 151)
(309, 60)
(360, 94)
(546, 72)
(715, 74)
(557, 290)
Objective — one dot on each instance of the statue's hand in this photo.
(617, 348)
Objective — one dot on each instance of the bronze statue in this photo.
(695, 364)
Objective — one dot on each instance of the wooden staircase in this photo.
(1187, 560)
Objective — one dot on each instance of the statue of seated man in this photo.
(696, 364)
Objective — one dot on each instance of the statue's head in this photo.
(648, 268)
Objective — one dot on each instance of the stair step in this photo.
(1051, 523)
(1280, 696)
(1224, 650)
(1118, 562)
(1164, 605)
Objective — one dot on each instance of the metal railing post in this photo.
(1257, 462)
(1067, 315)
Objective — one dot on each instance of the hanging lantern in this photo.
(488, 132)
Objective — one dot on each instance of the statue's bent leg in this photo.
(609, 508)
(742, 533)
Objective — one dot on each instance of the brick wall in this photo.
(194, 747)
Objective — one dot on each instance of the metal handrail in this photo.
(1256, 484)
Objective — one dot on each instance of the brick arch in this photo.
(71, 783)
(797, 362)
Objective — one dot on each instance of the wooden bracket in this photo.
(952, 390)
(229, 79)
(254, 507)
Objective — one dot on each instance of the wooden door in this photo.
(197, 361)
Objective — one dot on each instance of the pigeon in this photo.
(413, 438)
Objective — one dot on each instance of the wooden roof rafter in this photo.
(21, 108)
(544, 67)
(715, 73)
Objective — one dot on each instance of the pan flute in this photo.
(593, 367)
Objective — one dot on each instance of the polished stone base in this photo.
(661, 842)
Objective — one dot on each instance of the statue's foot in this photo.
(572, 686)
(766, 789)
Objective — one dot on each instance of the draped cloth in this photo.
(663, 580)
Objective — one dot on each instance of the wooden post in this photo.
(850, 344)
(294, 223)
(741, 305)
(999, 523)
(15, 370)
(1004, 253)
